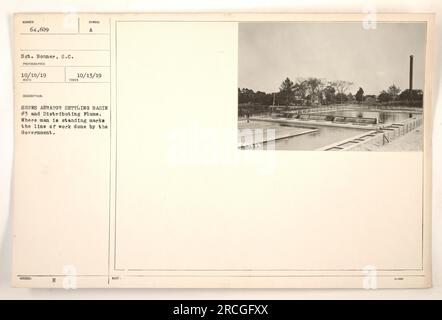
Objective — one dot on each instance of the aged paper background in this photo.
(171, 210)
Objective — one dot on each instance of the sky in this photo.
(372, 59)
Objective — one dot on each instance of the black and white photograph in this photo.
(331, 86)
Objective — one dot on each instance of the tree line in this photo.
(315, 91)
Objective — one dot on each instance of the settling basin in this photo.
(381, 116)
(324, 132)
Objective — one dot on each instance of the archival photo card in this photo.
(331, 86)
(142, 150)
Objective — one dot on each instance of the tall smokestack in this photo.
(411, 79)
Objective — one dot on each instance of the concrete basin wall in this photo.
(375, 139)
